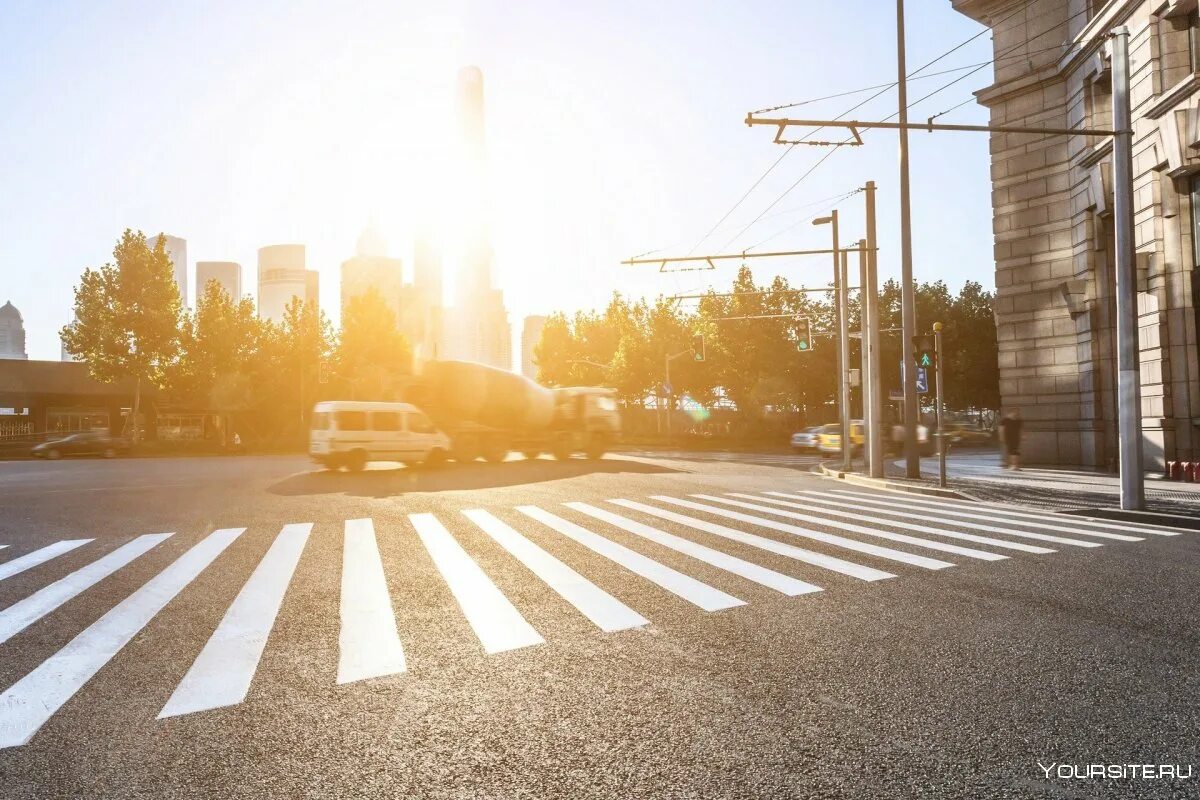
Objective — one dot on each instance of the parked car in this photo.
(85, 443)
(806, 439)
(970, 436)
(830, 437)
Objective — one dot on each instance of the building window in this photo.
(1194, 191)
(1178, 40)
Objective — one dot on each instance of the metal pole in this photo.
(870, 293)
(908, 307)
(866, 388)
(843, 295)
(669, 393)
(1129, 393)
(941, 440)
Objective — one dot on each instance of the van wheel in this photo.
(494, 451)
(561, 448)
(436, 458)
(596, 446)
(466, 449)
(531, 454)
(356, 460)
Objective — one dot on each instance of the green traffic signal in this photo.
(803, 335)
(924, 350)
(698, 347)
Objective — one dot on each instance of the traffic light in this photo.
(924, 350)
(804, 341)
(698, 347)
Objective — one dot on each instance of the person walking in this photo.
(1010, 436)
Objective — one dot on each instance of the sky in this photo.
(613, 128)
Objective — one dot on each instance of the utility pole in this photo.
(870, 304)
(941, 437)
(867, 386)
(671, 389)
(908, 306)
(1129, 406)
(843, 293)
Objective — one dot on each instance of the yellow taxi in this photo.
(829, 440)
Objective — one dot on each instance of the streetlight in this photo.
(839, 282)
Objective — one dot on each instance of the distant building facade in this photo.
(1053, 225)
(282, 277)
(177, 251)
(227, 273)
(482, 330)
(531, 334)
(12, 333)
(416, 308)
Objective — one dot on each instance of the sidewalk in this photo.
(979, 474)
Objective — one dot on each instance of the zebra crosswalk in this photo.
(611, 563)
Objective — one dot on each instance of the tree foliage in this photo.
(127, 316)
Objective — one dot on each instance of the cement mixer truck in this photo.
(488, 412)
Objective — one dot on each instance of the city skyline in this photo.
(304, 144)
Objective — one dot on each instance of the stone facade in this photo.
(1052, 219)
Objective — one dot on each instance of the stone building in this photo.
(1052, 207)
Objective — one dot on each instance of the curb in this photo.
(1145, 517)
(883, 483)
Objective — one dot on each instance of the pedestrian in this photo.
(1010, 435)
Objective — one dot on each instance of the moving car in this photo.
(830, 437)
(348, 433)
(85, 443)
(806, 439)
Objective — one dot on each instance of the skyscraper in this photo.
(177, 251)
(226, 273)
(531, 334)
(371, 268)
(12, 333)
(481, 321)
(281, 277)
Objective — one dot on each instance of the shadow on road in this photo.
(382, 481)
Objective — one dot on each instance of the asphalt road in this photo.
(544, 650)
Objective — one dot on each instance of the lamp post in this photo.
(839, 282)
(941, 436)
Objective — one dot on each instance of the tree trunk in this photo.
(137, 404)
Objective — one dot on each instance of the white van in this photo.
(347, 433)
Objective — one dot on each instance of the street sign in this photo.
(666, 390)
(922, 383)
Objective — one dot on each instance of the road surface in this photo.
(641, 626)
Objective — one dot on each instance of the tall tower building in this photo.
(428, 291)
(226, 273)
(481, 321)
(281, 277)
(177, 251)
(372, 269)
(12, 333)
(531, 334)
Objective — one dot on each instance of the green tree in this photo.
(372, 354)
(219, 344)
(127, 317)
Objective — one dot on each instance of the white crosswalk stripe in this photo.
(31, 560)
(878, 516)
(27, 704)
(368, 642)
(761, 542)
(753, 572)
(690, 589)
(221, 674)
(497, 623)
(23, 613)
(607, 612)
(996, 524)
(846, 526)
(828, 538)
(1080, 524)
